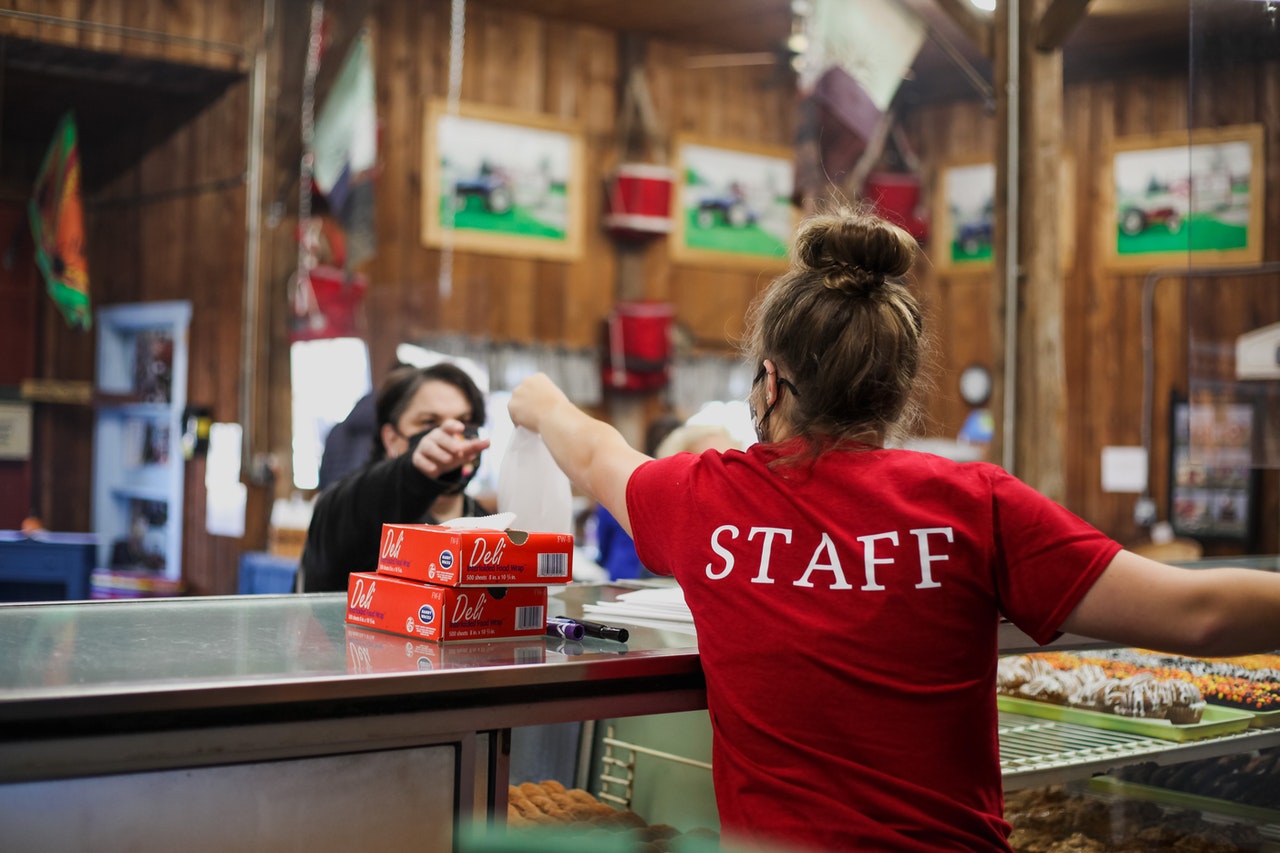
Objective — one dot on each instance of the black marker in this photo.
(597, 630)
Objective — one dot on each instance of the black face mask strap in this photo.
(782, 383)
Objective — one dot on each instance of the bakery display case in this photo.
(658, 767)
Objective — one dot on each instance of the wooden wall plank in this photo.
(394, 60)
(110, 12)
(19, 27)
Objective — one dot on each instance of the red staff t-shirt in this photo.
(847, 613)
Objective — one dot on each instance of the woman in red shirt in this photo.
(847, 596)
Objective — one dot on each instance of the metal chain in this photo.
(303, 297)
(457, 44)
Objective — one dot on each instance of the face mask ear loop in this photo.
(759, 423)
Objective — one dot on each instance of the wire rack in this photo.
(1035, 751)
(618, 768)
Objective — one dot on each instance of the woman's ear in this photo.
(388, 434)
(770, 382)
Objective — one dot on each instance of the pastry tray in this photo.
(1215, 721)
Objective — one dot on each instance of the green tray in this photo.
(1265, 719)
(1198, 802)
(1216, 720)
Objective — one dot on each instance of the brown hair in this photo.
(843, 327)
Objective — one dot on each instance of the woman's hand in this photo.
(533, 398)
(594, 454)
(446, 449)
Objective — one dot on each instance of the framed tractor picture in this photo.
(733, 204)
(1185, 197)
(964, 204)
(502, 182)
(964, 216)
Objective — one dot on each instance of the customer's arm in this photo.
(592, 453)
(1201, 612)
(346, 525)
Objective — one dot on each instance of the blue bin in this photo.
(46, 566)
(262, 573)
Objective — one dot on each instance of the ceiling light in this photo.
(984, 5)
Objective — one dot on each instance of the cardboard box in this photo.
(459, 557)
(445, 613)
(286, 542)
(375, 652)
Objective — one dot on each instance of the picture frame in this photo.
(964, 216)
(962, 239)
(1184, 197)
(1213, 487)
(501, 181)
(732, 203)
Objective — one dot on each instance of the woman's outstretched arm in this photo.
(1214, 612)
(591, 453)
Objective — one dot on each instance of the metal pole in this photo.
(253, 234)
(1011, 240)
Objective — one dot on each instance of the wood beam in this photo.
(976, 27)
(1057, 21)
(1039, 387)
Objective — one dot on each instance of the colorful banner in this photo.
(56, 215)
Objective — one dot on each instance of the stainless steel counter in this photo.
(144, 724)
(67, 665)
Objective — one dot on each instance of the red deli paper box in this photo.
(374, 652)
(445, 613)
(452, 556)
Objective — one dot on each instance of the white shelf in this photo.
(137, 445)
(141, 493)
(136, 410)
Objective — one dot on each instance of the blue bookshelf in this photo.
(138, 465)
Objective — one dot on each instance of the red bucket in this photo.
(639, 340)
(896, 197)
(638, 200)
(333, 313)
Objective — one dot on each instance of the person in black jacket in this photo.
(425, 451)
(346, 448)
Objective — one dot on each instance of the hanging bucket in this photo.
(639, 342)
(896, 198)
(638, 201)
(332, 307)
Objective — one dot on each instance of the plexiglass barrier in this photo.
(1233, 409)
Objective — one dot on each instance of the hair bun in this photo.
(854, 252)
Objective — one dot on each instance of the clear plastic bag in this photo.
(532, 486)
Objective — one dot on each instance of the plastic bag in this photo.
(531, 485)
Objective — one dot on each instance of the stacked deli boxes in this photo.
(449, 584)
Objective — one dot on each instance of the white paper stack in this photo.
(660, 607)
